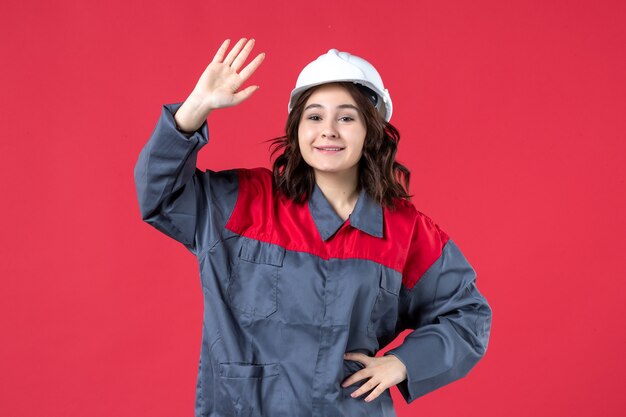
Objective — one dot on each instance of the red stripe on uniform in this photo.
(290, 225)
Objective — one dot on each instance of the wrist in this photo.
(199, 104)
(190, 116)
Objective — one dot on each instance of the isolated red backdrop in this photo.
(512, 122)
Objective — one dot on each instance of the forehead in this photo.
(330, 95)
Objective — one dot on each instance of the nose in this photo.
(329, 130)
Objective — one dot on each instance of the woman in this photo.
(310, 269)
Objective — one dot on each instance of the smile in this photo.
(329, 149)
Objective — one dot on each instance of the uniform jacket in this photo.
(288, 288)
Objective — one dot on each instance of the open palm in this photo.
(219, 83)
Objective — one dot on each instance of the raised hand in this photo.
(219, 84)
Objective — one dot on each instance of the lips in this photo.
(329, 148)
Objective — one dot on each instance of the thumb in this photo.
(356, 356)
(244, 94)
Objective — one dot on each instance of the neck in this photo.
(341, 189)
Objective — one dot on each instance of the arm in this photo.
(450, 318)
(173, 194)
(169, 186)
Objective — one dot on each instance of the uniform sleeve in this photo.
(450, 317)
(174, 196)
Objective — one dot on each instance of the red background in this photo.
(512, 122)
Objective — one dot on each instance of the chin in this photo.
(332, 170)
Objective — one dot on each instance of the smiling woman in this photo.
(309, 269)
(331, 134)
(344, 115)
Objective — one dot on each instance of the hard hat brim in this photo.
(384, 107)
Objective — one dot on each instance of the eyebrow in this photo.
(341, 106)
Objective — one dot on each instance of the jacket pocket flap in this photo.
(261, 252)
(389, 281)
(247, 370)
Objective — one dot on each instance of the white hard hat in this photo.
(341, 66)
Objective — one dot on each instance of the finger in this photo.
(367, 386)
(234, 52)
(251, 67)
(348, 381)
(353, 355)
(219, 55)
(244, 94)
(355, 377)
(359, 357)
(243, 55)
(374, 394)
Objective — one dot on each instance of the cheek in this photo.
(301, 141)
(359, 142)
(304, 132)
(302, 144)
(305, 137)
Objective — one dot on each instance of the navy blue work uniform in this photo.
(290, 287)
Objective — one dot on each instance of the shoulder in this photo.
(427, 227)
(420, 223)
(427, 241)
(255, 185)
(257, 209)
(255, 177)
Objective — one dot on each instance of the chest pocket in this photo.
(384, 316)
(253, 281)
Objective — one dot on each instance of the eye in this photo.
(313, 117)
(346, 118)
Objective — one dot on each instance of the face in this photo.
(332, 131)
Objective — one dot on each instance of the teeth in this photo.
(330, 149)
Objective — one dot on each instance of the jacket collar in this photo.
(366, 216)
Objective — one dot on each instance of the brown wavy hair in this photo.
(379, 172)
